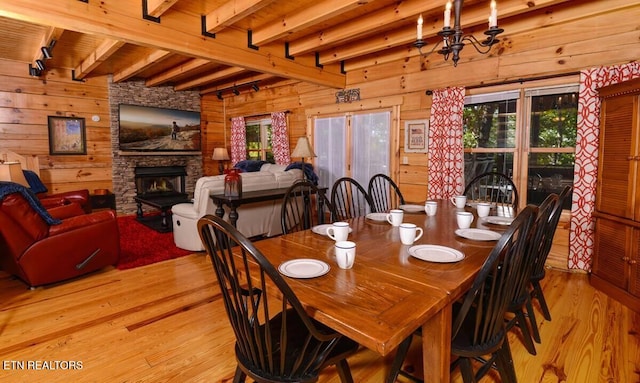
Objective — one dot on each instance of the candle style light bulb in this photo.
(493, 19)
(447, 15)
(420, 27)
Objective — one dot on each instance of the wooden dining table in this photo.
(388, 294)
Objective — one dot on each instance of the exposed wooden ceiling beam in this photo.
(218, 75)
(140, 65)
(364, 47)
(176, 71)
(553, 15)
(232, 11)
(304, 18)
(52, 34)
(363, 26)
(472, 16)
(156, 8)
(231, 84)
(377, 59)
(97, 57)
(180, 34)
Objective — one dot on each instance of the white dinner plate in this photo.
(322, 229)
(304, 268)
(505, 221)
(478, 234)
(380, 217)
(412, 208)
(436, 253)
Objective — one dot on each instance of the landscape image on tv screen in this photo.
(144, 128)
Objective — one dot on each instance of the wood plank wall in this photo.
(565, 43)
(25, 104)
(583, 36)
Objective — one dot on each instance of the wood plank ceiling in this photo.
(216, 45)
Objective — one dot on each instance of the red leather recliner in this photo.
(80, 197)
(39, 253)
(58, 199)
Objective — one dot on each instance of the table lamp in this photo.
(220, 155)
(303, 149)
(12, 172)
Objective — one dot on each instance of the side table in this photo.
(103, 201)
(248, 197)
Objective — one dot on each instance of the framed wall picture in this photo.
(67, 135)
(152, 129)
(416, 136)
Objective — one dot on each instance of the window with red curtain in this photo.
(265, 139)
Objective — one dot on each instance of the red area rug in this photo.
(140, 245)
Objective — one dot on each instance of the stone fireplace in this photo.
(127, 164)
(127, 186)
(160, 181)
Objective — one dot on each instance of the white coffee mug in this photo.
(409, 233)
(483, 209)
(464, 219)
(395, 217)
(431, 207)
(338, 231)
(459, 201)
(345, 254)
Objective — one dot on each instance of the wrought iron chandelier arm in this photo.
(421, 43)
(481, 47)
(490, 41)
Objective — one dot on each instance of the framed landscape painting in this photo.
(67, 135)
(153, 129)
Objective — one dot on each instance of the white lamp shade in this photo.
(220, 154)
(303, 148)
(12, 172)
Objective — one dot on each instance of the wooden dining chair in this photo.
(493, 187)
(303, 207)
(384, 193)
(538, 272)
(350, 199)
(276, 341)
(479, 329)
(522, 290)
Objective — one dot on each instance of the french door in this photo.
(352, 145)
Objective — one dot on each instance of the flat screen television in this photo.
(151, 129)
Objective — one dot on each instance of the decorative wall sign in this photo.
(67, 135)
(347, 95)
(416, 136)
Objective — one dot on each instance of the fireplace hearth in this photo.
(160, 181)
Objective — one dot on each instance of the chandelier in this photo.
(454, 39)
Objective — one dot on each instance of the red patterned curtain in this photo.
(586, 166)
(280, 138)
(446, 157)
(238, 140)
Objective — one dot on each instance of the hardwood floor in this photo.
(165, 323)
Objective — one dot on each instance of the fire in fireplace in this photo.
(160, 181)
